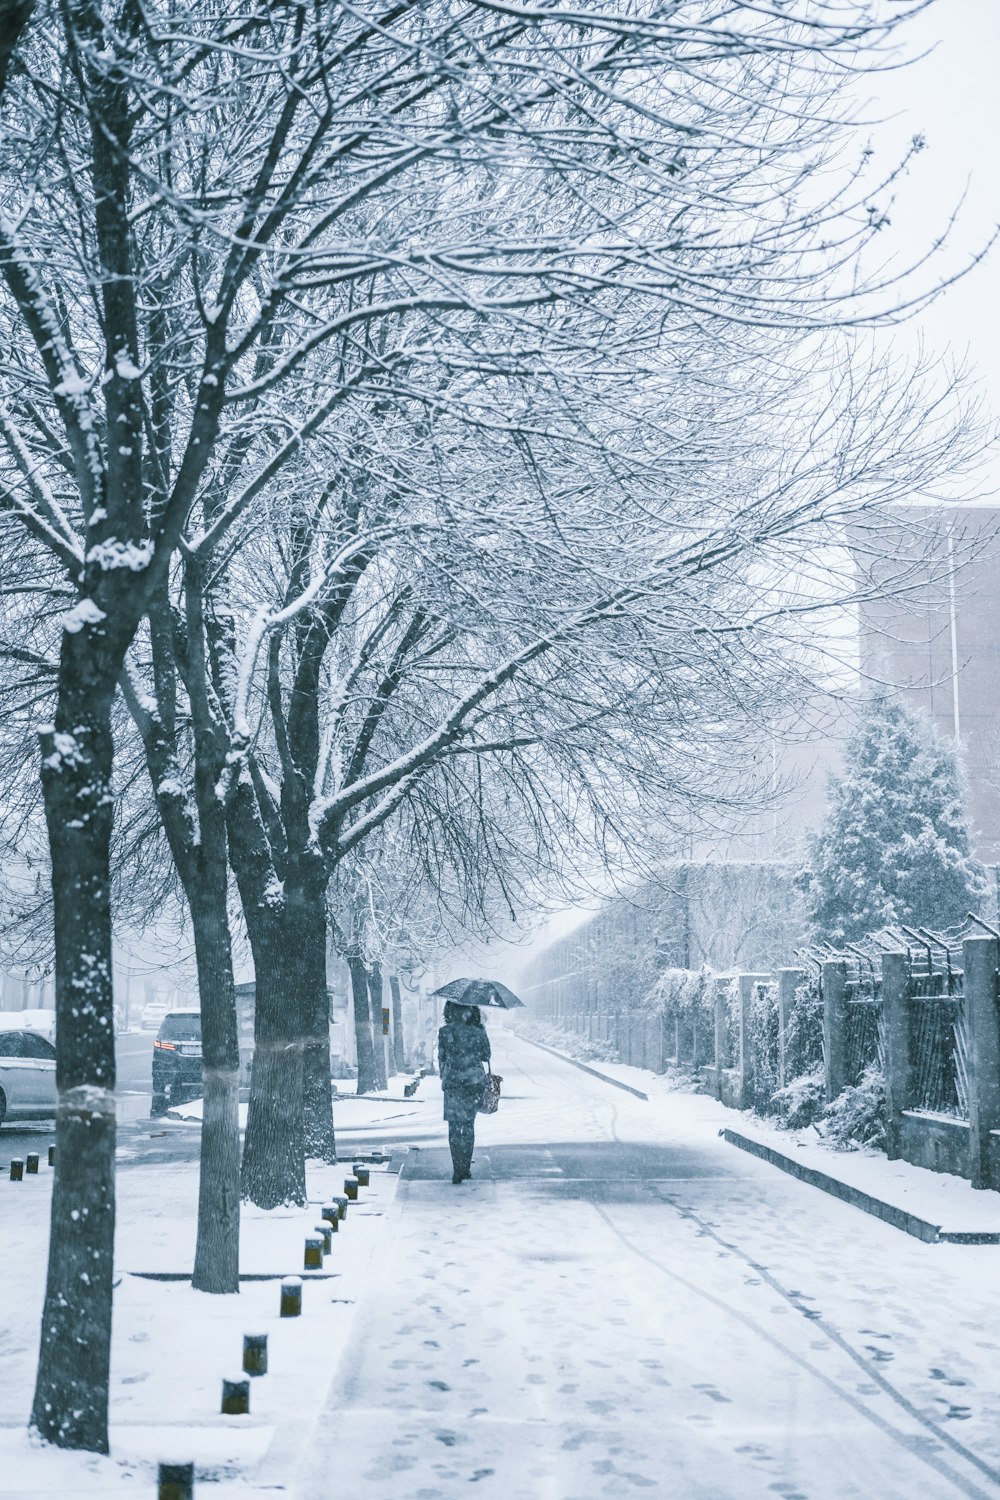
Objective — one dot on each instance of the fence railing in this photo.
(927, 1016)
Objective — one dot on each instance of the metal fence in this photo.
(939, 1044)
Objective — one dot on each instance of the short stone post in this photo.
(362, 1174)
(351, 1188)
(31, 1163)
(788, 982)
(745, 1061)
(291, 1297)
(834, 983)
(175, 1482)
(255, 1354)
(331, 1213)
(235, 1398)
(52, 1156)
(17, 1170)
(325, 1233)
(983, 1028)
(312, 1258)
(898, 1060)
(721, 1023)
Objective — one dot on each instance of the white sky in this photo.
(952, 97)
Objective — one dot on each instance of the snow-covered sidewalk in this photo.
(619, 1300)
(173, 1346)
(938, 1199)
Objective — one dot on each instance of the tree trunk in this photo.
(273, 1148)
(217, 1251)
(320, 1141)
(71, 1391)
(367, 1075)
(378, 1037)
(398, 1049)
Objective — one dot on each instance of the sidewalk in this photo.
(933, 1206)
(172, 1346)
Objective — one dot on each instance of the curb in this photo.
(584, 1068)
(898, 1218)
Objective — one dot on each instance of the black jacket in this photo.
(462, 1050)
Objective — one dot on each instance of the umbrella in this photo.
(479, 992)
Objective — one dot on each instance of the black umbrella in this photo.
(479, 992)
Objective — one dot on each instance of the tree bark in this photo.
(398, 1047)
(375, 989)
(367, 1075)
(217, 1249)
(273, 1169)
(320, 1140)
(71, 1391)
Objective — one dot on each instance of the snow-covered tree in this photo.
(894, 845)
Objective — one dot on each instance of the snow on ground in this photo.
(618, 1301)
(621, 1301)
(172, 1346)
(370, 1112)
(941, 1198)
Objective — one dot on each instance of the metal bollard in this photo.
(175, 1482)
(341, 1203)
(362, 1174)
(255, 1354)
(235, 1398)
(313, 1258)
(17, 1170)
(31, 1164)
(291, 1297)
(326, 1233)
(331, 1213)
(52, 1162)
(351, 1187)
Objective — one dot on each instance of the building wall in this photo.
(940, 642)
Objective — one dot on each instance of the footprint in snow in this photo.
(948, 1379)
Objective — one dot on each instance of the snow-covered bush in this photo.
(804, 1032)
(857, 1117)
(800, 1102)
(763, 1045)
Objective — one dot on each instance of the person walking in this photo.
(463, 1049)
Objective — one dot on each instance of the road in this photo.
(618, 1302)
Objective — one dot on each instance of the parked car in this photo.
(152, 1015)
(176, 1060)
(27, 1076)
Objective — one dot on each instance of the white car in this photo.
(27, 1076)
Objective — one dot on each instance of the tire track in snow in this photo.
(869, 1367)
(917, 1450)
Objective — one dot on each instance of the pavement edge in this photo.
(889, 1213)
(584, 1068)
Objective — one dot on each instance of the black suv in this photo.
(176, 1060)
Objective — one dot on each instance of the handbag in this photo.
(491, 1094)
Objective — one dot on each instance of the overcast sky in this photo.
(952, 97)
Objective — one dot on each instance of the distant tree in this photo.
(894, 845)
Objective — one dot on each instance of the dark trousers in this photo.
(461, 1139)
